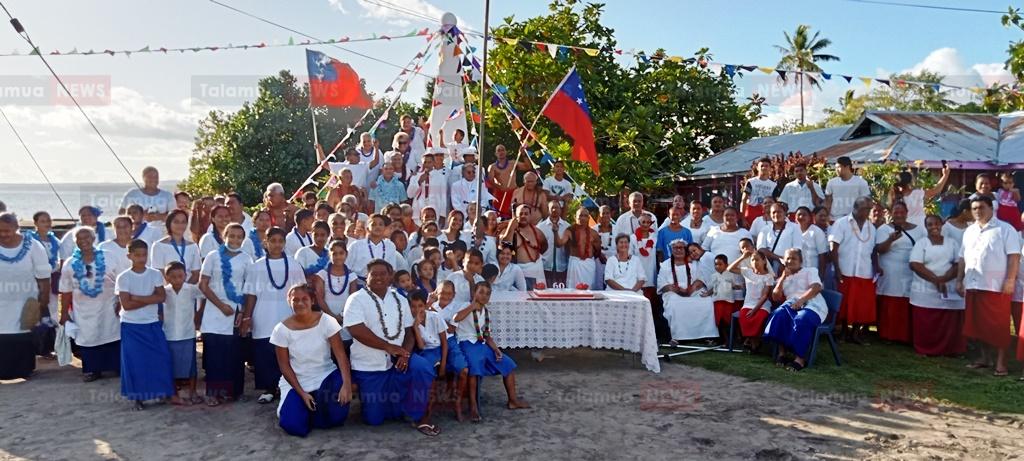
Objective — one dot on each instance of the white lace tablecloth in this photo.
(622, 321)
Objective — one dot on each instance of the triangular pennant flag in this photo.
(563, 53)
(936, 87)
(436, 103)
(291, 41)
(847, 78)
(730, 70)
(782, 73)
(866, 80)
(553, 51)
(826, 76)
(541, 47)
(457, 51)
(589, 202)
(883, 81)
(144, 49)
(495, 100)
(73, 51)
(500, 88)
(592, 51)
(748, 68)
(766, 70)
(388, 89)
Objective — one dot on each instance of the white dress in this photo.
(95, 317)
(336, 293)
(895, 263)
(649, 263)
(19, 281)
(165, 252)
(690, 317)
(624, 273)
(309, 354)
(815, 243)
(938, 259)
(214, 321)
(271, 302)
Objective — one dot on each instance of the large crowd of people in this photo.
(380, 285)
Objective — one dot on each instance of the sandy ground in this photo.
(587, 405)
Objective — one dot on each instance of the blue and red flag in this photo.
(568, 108)
(333, 83)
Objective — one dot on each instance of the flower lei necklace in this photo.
(643, 243)
(380, 315)
(26, 243)
(181, 252)
(140, 230)
(225, 271)
(383, 250)
(486, 332)
(216, 236)
(54, 245)
(270, 273)
(257, 244)
(330, 280)
(321, 263)
(80, 272)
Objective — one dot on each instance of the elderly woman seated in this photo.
(792, 325)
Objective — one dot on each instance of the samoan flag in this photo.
(333, 83)
(569, 109)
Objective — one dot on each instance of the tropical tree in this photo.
(802, 52)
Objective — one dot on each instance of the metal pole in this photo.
(483, 125)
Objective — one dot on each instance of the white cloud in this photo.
(949, 63)
(399, 13)
(993, 73)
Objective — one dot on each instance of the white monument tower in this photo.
(448, 91)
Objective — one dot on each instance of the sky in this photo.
(148, 105)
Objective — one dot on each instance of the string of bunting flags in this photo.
(196, 49)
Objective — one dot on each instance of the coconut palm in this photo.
(802, 52)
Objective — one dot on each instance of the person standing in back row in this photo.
(843, 190)
(755, 190)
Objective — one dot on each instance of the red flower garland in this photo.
(644, 247)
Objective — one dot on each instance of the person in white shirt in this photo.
(156, 202)
(915, 199)
(852, 243)
(510, 276)
(464, 280)
(393, 383)
(758, 282)
(644, 242)
(429, 187)
(315, 391)
(556, 256)
(87, 282)
(623, 270)
(179, 321)
(558, 186)
(25, 272)
(221, 281)
(266, 287)
(937, 311)
(455, 170)
(146, 372)
(335, 284)
(725, 239)
(175, 247)
(374, 246)
(815, 242)
(986, 278)
(793, 324)
(697, 223)
(464, 191)
(87, 216)
(360, 171)
(844, 189)
(893, 243)
(473, 331)
(605, 231)
(755, 225)
(315, 257)
(434, 343)
(755, 190)
(417, 145)
(628, 222)
(802, 192)
(117, 248)
(689, 316)
(141, 229)
(781, 235)
(299, 236)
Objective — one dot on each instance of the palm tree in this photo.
(802, 52)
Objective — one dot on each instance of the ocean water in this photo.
(26, 199)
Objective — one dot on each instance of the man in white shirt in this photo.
(755, 190)
(360, 171)
(393, 382)
(843, 190)
(628, 222)
(454, 171)
(801, 191)
(464, 191)
(374, 246)
(558, 186)
(370, 155)
(781, 235)
(556, 257)
(696, 222)
(986, 278)
(155, 201)
(852, 240)
(417, 145)
(430, 187)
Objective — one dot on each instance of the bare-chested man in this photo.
(529, 244)
(584, 251)
(532, 195)
(501, 180)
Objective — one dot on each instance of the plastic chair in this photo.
(833, 299)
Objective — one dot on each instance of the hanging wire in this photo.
(33, 157)
(20, 29)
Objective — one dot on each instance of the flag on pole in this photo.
(333, 83)
(569, 109)
(455, 114)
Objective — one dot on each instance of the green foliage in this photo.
(803, 51)
(271, 140)
(652, 119)
(883, 176)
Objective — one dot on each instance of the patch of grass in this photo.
(878, 370)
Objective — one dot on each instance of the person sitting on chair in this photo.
(793, 324)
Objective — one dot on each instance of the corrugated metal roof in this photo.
(881, 135)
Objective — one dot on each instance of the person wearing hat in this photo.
(464, 190)
(455, 170)
(844, 189)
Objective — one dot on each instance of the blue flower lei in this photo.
(330, 280)
(54, 245)
(257, 244)
(26, 244)
(270, 273)
(321, 263)
(140, 230)
(78, 266)
(225, 270)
